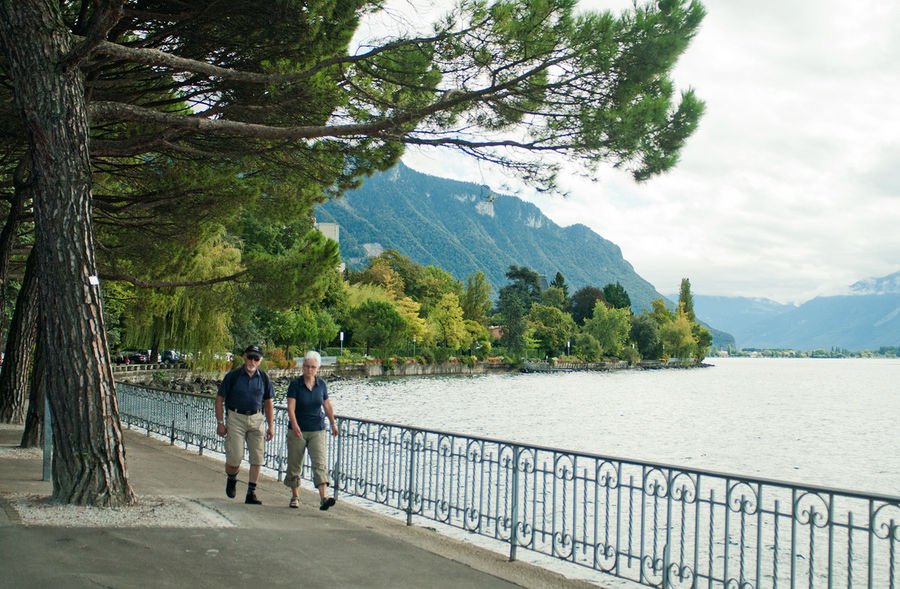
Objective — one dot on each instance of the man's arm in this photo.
(269, 407)
(221, 428)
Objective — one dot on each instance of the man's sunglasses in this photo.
(253, 357)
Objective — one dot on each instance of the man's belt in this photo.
(244, 411)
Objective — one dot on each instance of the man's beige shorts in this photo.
(317, 442)
(251, 428)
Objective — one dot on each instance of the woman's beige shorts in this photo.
(317, 442)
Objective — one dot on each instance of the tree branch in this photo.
(181, 64)
(146, 284)
(131, 146)
(223, 127)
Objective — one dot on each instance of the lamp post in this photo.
(414, 345)
(341, 337)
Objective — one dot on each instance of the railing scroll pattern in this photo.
(659, 525)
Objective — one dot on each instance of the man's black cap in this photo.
(253, 349)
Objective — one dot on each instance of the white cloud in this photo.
(791, 186)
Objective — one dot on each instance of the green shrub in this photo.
(631, 355)
(428, 356)
(513, 361)
(441, 355)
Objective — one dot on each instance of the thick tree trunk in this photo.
(88, 456)
(19, 348)
(8, 237)
(11, 229)
(33, 436)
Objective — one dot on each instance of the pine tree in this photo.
(276, 79)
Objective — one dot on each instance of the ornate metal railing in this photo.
(657, 524)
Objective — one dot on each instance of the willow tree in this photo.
(511, 82)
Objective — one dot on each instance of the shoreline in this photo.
(207, 381)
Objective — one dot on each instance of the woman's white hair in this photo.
(314, 356)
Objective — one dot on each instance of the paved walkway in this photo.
(269, 545)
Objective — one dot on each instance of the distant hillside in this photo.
(853, 322)
(463, 227)
(737, 315)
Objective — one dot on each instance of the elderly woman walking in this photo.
(308, 405)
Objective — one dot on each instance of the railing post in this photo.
(279, 449)
(412, 473)
(337, 463)
(665, 569)
(189, 430)
(514, 505)
(871, 547)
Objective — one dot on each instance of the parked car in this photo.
(139, 358)
(171, 357)
(131, 357)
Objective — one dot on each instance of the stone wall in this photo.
(207, 381)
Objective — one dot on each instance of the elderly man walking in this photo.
(247, 394)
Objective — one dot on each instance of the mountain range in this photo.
(464, 227)
(865, 320)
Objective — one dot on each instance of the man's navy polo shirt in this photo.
(243, 392)
(308, 410)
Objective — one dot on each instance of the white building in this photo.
(331, 231)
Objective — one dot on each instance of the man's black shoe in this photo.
(251, 499)
(326, 503)
(230, 487)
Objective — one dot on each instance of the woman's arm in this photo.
(329, 411)
(291, 407)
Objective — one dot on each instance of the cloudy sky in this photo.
(790, 188)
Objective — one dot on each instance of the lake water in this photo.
(826, 422)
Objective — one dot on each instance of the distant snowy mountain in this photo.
(885, 285)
